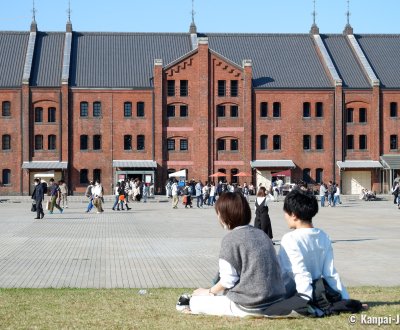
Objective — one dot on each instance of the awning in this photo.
(278, 163)
(135, 163)
(41, 165)
(282, 173)
(179, 174)
(391, 162)
(359, 164)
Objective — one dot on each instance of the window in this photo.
(220, 111)
(350, 142)
(307, 175)
(276, 142)
(6, 109)
(96, 109)
(362, 142)
(363, 115)
(83, 142)
(171, 144)
(350, 115)
(38, 142)
(319, 142)
(306, 110)
(183, 110)
(263, 109)
(306, 142)
(96, 142)
(140, 142)
(38, 115)
(128, 109)
(6, 176)
(319, 175)
(221, 87)
(184, 144)
(97, 175)
(234, 144)
(393, 109)
(83, 176)
(276, 109)
(319, 109)
(234, 88)
(6, 142)
(170, 87)
(184, 89)
(234, 111)
(170, 111)
(263, 142)
(51, 142)
(140, 109)
(234, 178)
(51, 115)
(221, 144)
(127, 142)
(84, 109)
(393, 142)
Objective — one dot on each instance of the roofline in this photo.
(181, 58)
(226, 59)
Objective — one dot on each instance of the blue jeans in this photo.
(90, 205)
(116, 201)
(199, 200)
(322, 201)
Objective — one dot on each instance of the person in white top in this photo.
(175, 197)
(336, 196)
(306, 253)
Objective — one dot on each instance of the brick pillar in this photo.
(203, 160)
(158, 125)
(27, 135)
(338, 132)
(247, 139)
(64, 130)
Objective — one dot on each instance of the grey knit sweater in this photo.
(250, 251)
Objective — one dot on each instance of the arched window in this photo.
(6, 176)
(6, 109)
(307, 175)
(6, 142)
(51, 139)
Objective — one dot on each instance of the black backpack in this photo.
(44, 187)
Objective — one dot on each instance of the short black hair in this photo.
(302, 205)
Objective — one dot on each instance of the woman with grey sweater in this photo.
(250, 278)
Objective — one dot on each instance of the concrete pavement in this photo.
(154, 245)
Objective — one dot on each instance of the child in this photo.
(306, 253)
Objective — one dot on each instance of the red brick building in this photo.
(80, 106)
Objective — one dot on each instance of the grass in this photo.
(127, 309)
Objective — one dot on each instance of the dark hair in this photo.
(37, 180)
(233, 209)
(262, 192)
(303, 206)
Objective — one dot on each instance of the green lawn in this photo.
(126, 309)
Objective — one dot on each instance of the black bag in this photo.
(44, 186)
(33, 207)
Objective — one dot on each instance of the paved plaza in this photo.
(154, 245)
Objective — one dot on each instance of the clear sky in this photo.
(242, 16)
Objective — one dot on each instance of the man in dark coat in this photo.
(37, 195)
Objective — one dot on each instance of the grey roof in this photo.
(122, 60)
(278, 163)
(345, 62)
(47, 59)
(135, 163)
(279, 60)
(383, 53)
(12, 57)
(45, 165)
(359, 164)
(391, 161)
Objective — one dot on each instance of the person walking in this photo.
(38, 197)
(116, 195)
(199, 193)
(97, 196)
(174, 193)
(64, 194)
(89, 195)
(322, 192)
(262, 220)
(55, 196)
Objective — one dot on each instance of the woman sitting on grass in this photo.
(250, 278)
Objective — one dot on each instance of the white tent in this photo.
(179, 174)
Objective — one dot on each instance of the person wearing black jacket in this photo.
(37, 195)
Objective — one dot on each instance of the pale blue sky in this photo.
(259, 16)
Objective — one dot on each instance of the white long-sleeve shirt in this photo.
(305, 255)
